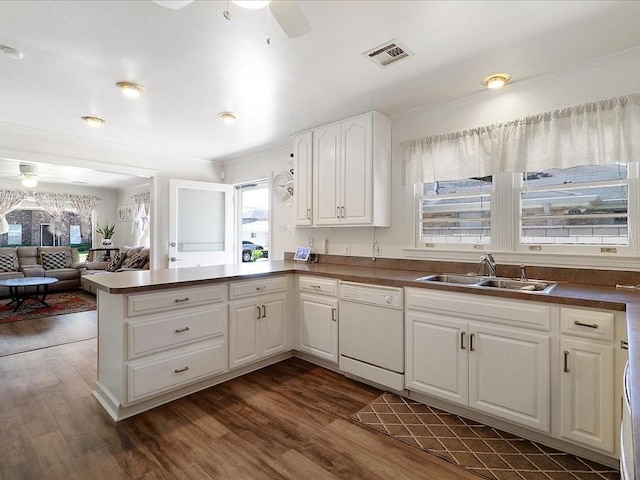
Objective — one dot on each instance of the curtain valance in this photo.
(602, 132)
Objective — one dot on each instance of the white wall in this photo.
(615, 76)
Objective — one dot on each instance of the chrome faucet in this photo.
(487, 259)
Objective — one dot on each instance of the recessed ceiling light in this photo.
(252, 4)
(496, 80)
(93, 121)
(11, 52)
(130, 89)
(227, 117)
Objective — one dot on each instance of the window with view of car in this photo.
(581, 209)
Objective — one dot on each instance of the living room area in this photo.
(68, 224)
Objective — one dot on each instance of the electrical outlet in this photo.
(346, 249)
(310, 242)
(282, 228)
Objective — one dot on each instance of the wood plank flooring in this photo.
(287, 421)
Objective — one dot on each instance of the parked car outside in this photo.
(251, 251)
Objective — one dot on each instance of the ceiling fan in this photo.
(286, 12)
(28, 174)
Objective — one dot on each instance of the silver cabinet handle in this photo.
(258, 307)
(315, 287)
(180, 330)
(462, 347)
(264, 311)
(175, 259)
(180, 370)
(471, 349)
(342, 212)
(337, 212)
(180, 300)
(308, 214)
(582, 324)
(566, 361)
(333, 315)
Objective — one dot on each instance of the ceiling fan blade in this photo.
(290, 17)
(173, 4)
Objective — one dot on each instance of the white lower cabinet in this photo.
(497, 369)
(587, 378)
(257, 328)
(318, 317)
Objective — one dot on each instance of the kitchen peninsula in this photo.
(164, 334)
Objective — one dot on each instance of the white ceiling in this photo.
(194, 64)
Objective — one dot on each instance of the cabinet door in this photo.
(273, 325)
(326, 175)
(509, 374)
(436, 356)
(586, 393)
(303, 178)
(244, 334)
(318, 332)
(356, 186)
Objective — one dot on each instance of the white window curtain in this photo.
(9, 199)
(54, 204)
(142, 214)
(601, 132)
(84, 205)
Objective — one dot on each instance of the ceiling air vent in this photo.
(388, 53)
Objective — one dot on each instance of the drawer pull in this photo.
(264, 311)
(566, 361)
(180, 330)
(462, 347)
(471, 343)
(180, 370)
(315, 287)
(581, 324)
(258, 307)
(180, 300)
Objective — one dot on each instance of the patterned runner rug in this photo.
(59, 304)
(483, 450)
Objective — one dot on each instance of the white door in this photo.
(437, 359)
(244, 332)
(318, 333)
(586, 391)
(356, 189)
(274, 330)
(302, 176)
(201, 224)
(326, 175)
(509, 375)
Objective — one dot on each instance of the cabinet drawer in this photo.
(149, 379)
(511, 312)
(170, 330)
(318, 285)
(587, 323)
(257, 287)
(172, 299)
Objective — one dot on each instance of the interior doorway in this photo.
(254, 215)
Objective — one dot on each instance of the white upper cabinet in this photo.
(302, 179)
(349, 183)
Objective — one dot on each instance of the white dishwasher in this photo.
(371, 333)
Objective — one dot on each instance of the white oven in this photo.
(371, 333)
(627, 470)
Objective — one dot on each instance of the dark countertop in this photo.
(565, 293)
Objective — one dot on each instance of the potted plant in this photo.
(106, 232)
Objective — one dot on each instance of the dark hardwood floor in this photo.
(288, 421)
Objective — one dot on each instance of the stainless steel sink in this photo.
(538, 286)
(502, 283)
(456, 279)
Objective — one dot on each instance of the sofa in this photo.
(62, 263)
(128, 259)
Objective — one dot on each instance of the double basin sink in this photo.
(500, 283)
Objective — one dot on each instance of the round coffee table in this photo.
(19, 291)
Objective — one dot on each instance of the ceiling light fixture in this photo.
(496, 80)
(93, 121)
(29, 180)
(130, 89)
(11, 52)
(252, 4)
(227, 117)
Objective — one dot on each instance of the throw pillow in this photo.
(53, 260)
(115, 262)
(135, 261)
(7, 263)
